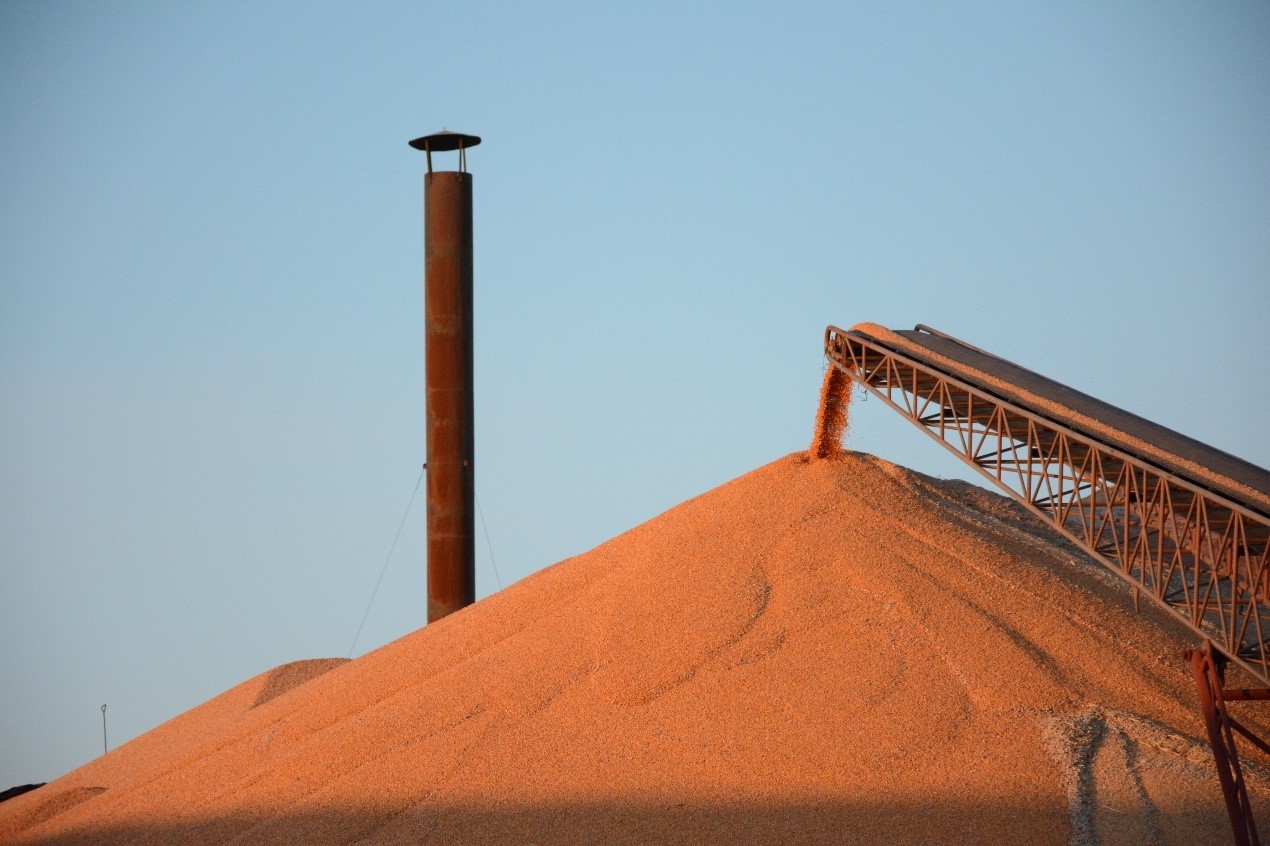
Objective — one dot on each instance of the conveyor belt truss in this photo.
(1200, 554)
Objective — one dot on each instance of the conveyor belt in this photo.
(1229, 475)
(1180, 521)
(1184, 523)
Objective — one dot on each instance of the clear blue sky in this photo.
(211, 284)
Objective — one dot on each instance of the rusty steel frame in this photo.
(1201, 556)
(1209, 671)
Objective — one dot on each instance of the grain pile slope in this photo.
(817, 652)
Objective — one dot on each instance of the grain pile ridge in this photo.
(820, 651)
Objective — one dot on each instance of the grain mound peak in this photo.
(820, 651)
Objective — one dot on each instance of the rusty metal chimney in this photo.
(447, 200)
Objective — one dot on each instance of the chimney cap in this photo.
(439, 142)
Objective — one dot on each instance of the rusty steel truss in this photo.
(1209, 671)
(1199, 554)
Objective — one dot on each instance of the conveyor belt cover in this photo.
(1195, 461)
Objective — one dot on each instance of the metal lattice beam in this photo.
(1201, 555)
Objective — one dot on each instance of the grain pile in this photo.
(833, 651)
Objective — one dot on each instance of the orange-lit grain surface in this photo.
(835, 651)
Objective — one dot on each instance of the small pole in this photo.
(104, 747)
